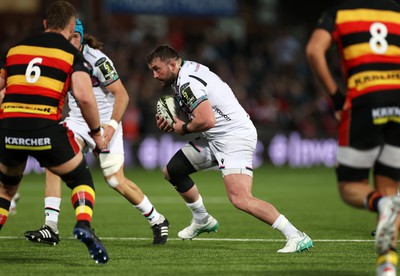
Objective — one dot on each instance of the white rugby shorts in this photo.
(229, 154)
(364, 159)
(81, 130)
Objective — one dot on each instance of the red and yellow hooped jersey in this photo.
(38, 74)
(367, 33)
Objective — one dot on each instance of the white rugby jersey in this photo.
(103, 73)
(196, 83)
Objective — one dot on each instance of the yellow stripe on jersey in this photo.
(16, 147)
(42, 51)
(367, 79)
(368, 15)
(3, 212)
(29, 108)
(43, 81)
(361, 49)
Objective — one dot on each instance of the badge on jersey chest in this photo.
(187, 95)
(106, 69)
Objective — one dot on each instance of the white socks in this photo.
(149, 211)
(52, 211)
(199, 211)
(283, 225)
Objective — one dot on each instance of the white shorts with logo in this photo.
(233, 155)
(81, 131)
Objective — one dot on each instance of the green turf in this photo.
(242, 246)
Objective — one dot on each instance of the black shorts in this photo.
(367, 127)
(50, 146)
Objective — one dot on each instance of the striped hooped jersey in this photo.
(367, 33)
(38, 75)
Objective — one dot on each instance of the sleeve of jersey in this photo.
(105, 71)
(192, 95)
(80, 64)
(327, 20)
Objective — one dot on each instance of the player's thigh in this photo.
(199, 154)
(235, 156)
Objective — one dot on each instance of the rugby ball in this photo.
(168, 107)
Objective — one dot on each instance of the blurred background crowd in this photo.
(256, 46)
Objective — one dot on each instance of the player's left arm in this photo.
(120, 104)
(105, 71)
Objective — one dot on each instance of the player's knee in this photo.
(384, 170)
(80, 175)
(112, 181)
(240, 201)
(110, 163)
(177, 172)
(179, 179)
(10, 180)
(165, 173)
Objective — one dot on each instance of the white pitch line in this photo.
(202, 239)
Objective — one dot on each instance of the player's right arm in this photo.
(2, 80)
(316, 49)
(2, 92)
(81, 86)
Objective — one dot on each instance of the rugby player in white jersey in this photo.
(112, 99)
(227, 139)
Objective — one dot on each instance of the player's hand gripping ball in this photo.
(168, 107)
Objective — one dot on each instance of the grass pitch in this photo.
(243, 245)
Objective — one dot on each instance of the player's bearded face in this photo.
(168, 79)
(164, 74)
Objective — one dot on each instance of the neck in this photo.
(58, 31)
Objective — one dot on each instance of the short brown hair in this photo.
(59, 14)
(163, 52)
(92, 41)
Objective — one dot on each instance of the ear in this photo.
(45, 24)
(172, 65)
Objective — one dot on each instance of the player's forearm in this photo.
(83, 92)
(323, 74)
(121, 100)
(316, 58)
(90, 113)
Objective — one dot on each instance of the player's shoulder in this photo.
(94, 56)
(192, 71)
(49, 40)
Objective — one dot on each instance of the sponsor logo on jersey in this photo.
(187, 95)
(382, 115)
(107, 70)
(43, 143)
(366, 79)
(29, 108)
(219, 111)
